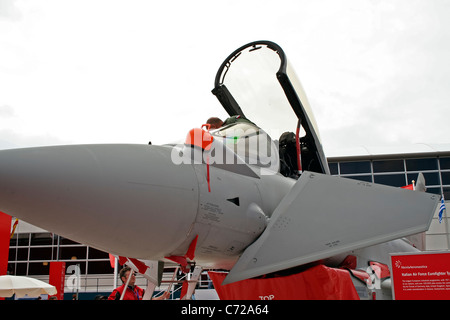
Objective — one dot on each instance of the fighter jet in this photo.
(254, 196)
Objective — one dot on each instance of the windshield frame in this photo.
(250, 143)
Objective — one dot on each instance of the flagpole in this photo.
(126, 284)
(116, 267)
(443, 216)
(447, 233)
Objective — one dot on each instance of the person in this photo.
(214, 122)
(133, 292)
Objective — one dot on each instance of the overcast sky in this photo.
(376, 73)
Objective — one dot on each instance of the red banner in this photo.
(5, 236)
(317, 283)
(421, 276)
(57, 277)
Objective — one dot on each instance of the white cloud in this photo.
(8, 10)
(133, 71)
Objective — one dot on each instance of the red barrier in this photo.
(5, 236)
(317, 283)
(57, 277)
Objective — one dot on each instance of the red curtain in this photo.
(5, 236)
(317, 283)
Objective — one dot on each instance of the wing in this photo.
(323, 216)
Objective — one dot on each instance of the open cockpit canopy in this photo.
(257, 82)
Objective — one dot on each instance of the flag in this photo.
(14, 228)
(441, 209)
(112, 260)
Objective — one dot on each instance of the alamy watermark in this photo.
(373, 282)
(235, 146)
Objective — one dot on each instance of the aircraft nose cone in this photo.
(130, 200)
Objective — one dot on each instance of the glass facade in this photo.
(397, 172)
(29, 254)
